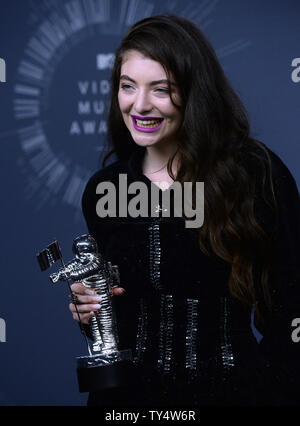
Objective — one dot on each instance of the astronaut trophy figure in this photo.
(89, 268)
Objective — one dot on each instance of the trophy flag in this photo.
(49, 256)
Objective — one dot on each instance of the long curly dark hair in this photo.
(215, 147)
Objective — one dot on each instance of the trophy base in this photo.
(105, 371)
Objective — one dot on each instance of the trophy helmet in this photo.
(84, 244)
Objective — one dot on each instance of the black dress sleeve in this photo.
(277, 344)
(88, 204)
(101, 228)
(97, 226)
(94, 224)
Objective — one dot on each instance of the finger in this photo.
(88, 299)
(79, 288)
(84, 318)
(84, 308)
(118, 291)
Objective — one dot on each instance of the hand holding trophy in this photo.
(105, 366)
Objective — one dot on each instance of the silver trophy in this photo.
(105, 366)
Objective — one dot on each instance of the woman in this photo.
(187, 293)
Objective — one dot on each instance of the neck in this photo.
(156, 160)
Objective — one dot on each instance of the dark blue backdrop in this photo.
(53, 107)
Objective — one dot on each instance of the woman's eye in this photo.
(160, 89)
(125, 86)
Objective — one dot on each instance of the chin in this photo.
(143, 141)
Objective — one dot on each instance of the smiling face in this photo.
(145, 102)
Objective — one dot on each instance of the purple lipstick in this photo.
(145, 129)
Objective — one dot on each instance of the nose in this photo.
(142, 102)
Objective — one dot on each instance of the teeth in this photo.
(147, 123)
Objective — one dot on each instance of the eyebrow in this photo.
(152, 83)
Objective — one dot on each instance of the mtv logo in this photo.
(2, 71)
(105, 60)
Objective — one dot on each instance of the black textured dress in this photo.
(192, 341)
